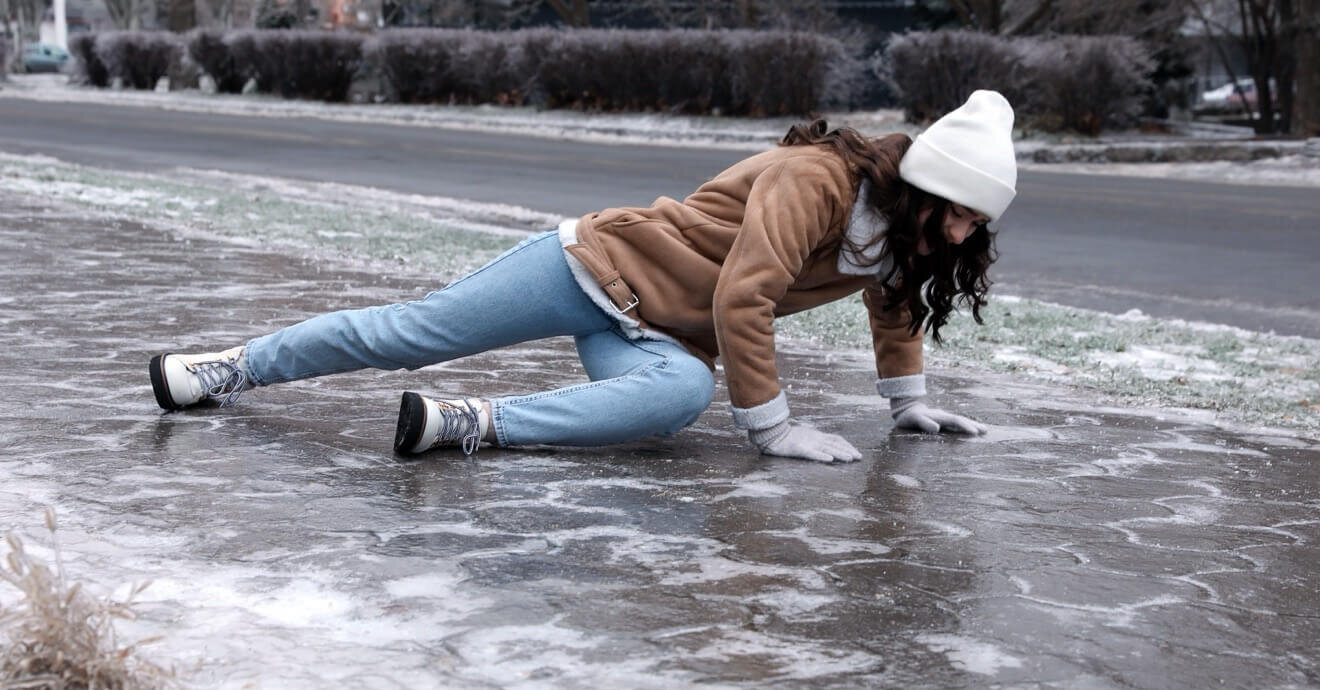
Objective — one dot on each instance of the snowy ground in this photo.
(690, 131)
(1231, 375)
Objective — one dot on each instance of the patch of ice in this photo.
(793, 604)
(970, 655)
(905, 481)
(756, 489)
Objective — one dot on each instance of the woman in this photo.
(654, 295)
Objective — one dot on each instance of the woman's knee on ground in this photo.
(684, 389)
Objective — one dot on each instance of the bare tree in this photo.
(811, 15)
(807, 15)
(1023, 17)
(22, 24)
(1270, 33)
(1306, 39)
(127, 14)
(1010, 17)
(571, 12)
(5, 32)
(26, 17)
(226, 14)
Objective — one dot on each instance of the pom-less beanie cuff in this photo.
(935, 171)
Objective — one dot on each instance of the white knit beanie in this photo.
(967, 156)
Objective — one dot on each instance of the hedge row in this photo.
(1080, 83)
(734, 72)
(1066, 82)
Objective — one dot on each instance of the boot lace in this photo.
(221, 380)
(459, 424)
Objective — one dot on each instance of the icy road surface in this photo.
(1075, 546)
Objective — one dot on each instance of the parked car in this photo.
(45, 57)
(1225, 97)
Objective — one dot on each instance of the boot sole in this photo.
(412, 422)
(159, 386)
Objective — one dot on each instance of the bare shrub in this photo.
(88, 68)
(739, 72)
(595, 69)
(138, 58)
(735, 72)
(1087, 83)
(935, 71)
(208, 49)
(1080, 83)
(296, 64)
(781, 72)
(448, 65)
(743, 72)
(319, 65)
(61, 637)
(487, 68)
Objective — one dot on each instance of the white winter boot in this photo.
(425, 424)
(183, 380)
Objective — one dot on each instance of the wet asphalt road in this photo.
(1075, 546)
(1244, 256)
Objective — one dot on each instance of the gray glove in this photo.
(791, 440)
(912, 413)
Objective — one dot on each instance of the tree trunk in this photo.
(1306, 101)
(577, 14)
(182, 15)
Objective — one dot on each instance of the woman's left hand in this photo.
(912, 413)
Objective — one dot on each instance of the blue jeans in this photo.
(638, 387)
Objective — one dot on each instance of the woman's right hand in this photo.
(791, 440)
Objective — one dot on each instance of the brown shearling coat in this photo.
(760, 240)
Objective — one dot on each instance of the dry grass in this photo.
(60, 637)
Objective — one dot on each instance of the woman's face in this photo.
(959, 223)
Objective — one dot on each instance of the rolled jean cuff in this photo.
(902, 386)
(762, 416)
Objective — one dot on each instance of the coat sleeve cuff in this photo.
(762, 416)
(901, 386)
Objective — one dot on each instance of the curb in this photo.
(1189, 152)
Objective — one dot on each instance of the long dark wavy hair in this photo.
(928, 286)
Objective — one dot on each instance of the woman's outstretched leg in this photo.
(526, 293)
(639, 388)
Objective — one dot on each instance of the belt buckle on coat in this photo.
(629, 305)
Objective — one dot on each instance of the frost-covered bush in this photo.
(88, 68)
(1079, 83)
(138, 58)
(735, 72)
(448, 66)
(208, 49)
(295, 64)
(1087, 83)
(744, 72)
(935, 71)
(782, 72)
